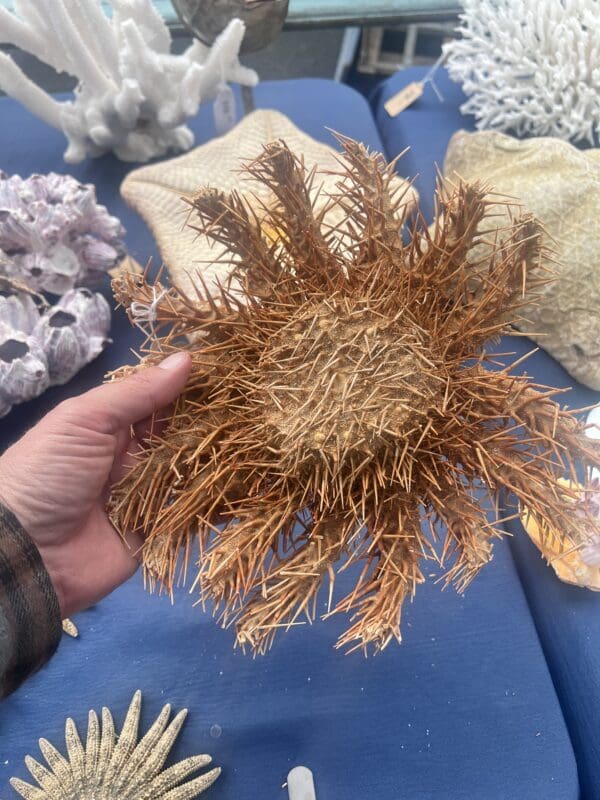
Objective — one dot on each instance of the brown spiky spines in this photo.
(340, 400)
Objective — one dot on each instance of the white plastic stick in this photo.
(301, 785)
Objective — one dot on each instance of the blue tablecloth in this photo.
(464, 709)
(567, 618)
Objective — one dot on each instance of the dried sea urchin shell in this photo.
(340, 398)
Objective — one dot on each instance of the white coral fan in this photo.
(53, 234)
(133, 95)
(530, 66)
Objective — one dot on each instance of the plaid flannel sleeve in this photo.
(30, 620)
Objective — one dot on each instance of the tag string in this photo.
(430, 74)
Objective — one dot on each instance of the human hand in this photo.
(56, 479)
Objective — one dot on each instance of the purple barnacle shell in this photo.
(64, 343)
(18, 310)
(90, 308)
(5, 404)
(23, 367)
(99, 256)
(106, 227)
(72, 333)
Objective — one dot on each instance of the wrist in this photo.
(9, 493)
(28, 604)
(57, 578)
(15, 503)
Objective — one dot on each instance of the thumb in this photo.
(139, 395)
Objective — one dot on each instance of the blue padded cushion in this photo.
(567, 617)
(425, 127)
(465, 708)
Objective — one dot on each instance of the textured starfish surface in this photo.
(342, 407)
(111, 767)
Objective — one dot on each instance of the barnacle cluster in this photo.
(54, 235)
(57, 240)
(342, 406)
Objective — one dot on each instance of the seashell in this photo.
(155, 191)
(207, 18)
(573, 562)
(18, 311)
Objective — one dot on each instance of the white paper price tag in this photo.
(404, 98)
(224, 109)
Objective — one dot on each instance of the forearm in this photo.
(30, 619)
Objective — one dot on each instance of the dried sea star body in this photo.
(340, 392)
(110, 766)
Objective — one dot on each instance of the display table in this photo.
(464, 709)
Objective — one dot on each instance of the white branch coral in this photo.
(133, 96)
(530, 66)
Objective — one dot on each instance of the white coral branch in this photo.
(133, 96)
(531, 67)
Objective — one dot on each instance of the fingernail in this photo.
(173, 361)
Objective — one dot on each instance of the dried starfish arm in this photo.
(497, 294)
(240, 554)
(533, 475)
(390, 575)
(468, 533)
(156, 307)
(376, 208)
(512, 402)
(459, 213)
(484, 306)
(293, 215)
(289, 591)
(171, 497)
(228, 220)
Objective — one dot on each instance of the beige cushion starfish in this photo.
(560, 186)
